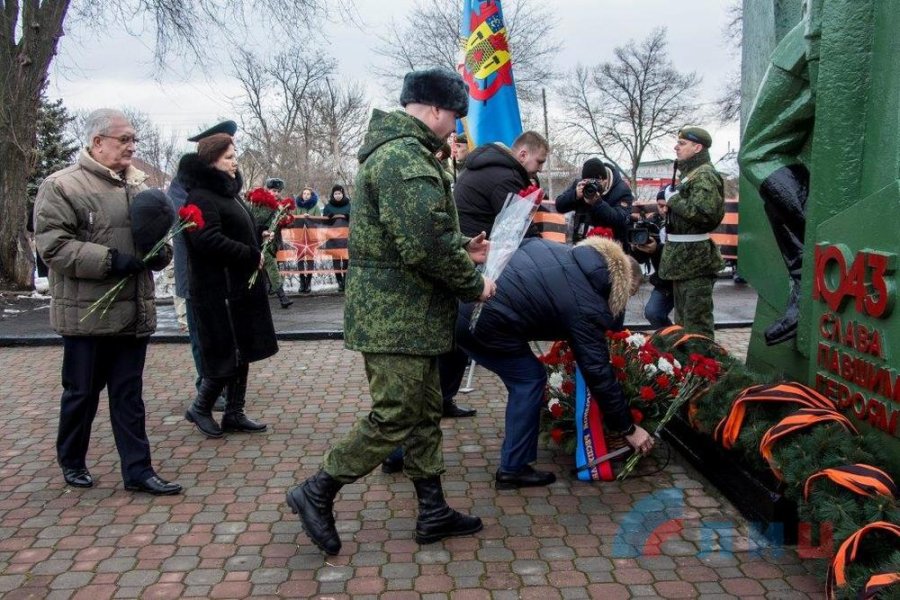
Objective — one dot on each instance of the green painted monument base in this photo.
(782, 359)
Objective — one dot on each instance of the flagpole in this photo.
(547, 137)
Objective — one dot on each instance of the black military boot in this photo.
(784, 194)
(305, 284)
(283, 298)
(200, 411)
(313, 500)
(340, 281)
(234, 419)
(453, 410)
(437, 520)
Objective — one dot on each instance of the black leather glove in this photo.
(123, 265)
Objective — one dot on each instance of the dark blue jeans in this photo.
(658, 307)
(525, 379)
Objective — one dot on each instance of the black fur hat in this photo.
(439, 87)
(151, 217)
(229, 127)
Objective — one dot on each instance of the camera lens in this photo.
(591, 189)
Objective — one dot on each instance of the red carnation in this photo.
(263, 197)
(557, 435)
(604, 232)
(637, 416)
(192, 216)
(621, 376)
(556, 410)
(567, 387)
(663, 382)
(647, 393)
(618, 361)
(646, 358)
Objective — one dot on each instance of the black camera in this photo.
(641, 232)
(592, 188)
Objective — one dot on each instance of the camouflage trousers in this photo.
(406, 411)
(271, 267)
(694, 304)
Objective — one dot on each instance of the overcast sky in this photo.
(92, 71)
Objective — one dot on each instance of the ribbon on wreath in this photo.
(590, 440)
(803, 418)
(877, 584)
(729, 428)
(861, 479)
(846, 554)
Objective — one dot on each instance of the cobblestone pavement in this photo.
(231, 535)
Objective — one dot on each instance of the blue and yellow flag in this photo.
(487, 69)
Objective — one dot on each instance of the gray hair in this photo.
(100, 121)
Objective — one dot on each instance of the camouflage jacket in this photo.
(408, 266)
(698, 207)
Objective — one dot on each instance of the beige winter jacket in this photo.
(81, 213)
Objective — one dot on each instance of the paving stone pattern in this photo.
(231, 535)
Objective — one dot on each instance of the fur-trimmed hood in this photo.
(619, 267)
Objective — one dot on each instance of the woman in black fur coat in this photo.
(233, 320)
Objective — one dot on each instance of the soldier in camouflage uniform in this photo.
(263, 215)
(409, 266)
(690, 258)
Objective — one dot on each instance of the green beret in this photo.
(698, 135)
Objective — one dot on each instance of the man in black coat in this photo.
(492, 172)
(552, 291)
(601, 198)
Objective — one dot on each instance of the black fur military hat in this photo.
(229, 127)
(152, 216)
(439, 87)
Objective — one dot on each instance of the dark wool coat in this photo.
(614, 211)
(234, 323)
(551, 291)
(491, 174)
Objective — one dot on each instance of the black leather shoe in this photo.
(79, 478)
(238, 422)
(525, 477)
(154, 485)
(452, 410)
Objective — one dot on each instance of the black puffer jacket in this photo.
(491, 174)
(234, 323)
(551, 291)
(613, 212)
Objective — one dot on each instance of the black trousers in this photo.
(89, 365)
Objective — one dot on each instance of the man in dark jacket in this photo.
(601, 198)
(492, 172)
(410, 266)
(178, 193)
(551, 291)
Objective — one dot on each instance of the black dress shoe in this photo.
(452, 410)
(80, 478)
(524, 477)
(154, 485)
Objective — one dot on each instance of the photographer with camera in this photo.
(649, 248)
(600, 198)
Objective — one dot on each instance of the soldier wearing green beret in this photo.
(409, 267)
(696, 206)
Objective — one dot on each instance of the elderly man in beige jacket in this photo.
(83, 232)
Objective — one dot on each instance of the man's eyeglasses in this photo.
(122, 139)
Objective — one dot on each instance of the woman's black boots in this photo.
(437, 520)
(200, 411)
(282, 297)
(234, 419)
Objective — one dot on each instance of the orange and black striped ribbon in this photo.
(876, 584)
(671, 329)
(802, 419)
(729, 428)
(861, 479)
(846, 554)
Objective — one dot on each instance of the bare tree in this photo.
(629, 105)
(728, 104)
(30, 31)
(429, 35)
(297, 123)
